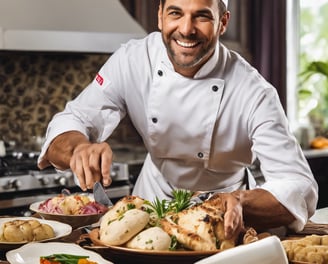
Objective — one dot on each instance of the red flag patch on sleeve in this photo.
(99, 79)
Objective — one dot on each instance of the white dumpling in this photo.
(124, 228)
(154, 238)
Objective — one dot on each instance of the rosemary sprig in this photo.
(181, 200)
(160, 207)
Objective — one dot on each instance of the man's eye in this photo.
(204, 17)
(174, 13)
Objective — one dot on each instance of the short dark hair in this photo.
(222, 6)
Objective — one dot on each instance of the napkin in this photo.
(268, 250)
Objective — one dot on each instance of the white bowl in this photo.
(75, 221)
(265, 251)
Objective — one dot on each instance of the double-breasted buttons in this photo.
(215, 88)
(160, 72)
(154, 120)
(200, 155)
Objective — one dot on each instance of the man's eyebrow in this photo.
(200, 12)
(204, 12)
(173, 7)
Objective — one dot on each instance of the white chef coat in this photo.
(200, 132)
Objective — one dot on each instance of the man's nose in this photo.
(187, 26)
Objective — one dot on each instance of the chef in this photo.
(204, 114)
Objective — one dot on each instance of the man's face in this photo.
(190, 30)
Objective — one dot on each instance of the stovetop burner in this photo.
(18, 163)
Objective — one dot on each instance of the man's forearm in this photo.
(262, 210)
(61, 149)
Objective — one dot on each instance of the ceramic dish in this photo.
(320, 216)
(31, 253)
(60, 230)
(268, 250)
(127, 255)
(75, 221)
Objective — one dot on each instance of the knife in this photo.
(100, 195)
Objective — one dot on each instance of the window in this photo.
(307, 42)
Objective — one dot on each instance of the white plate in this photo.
(31, 253)
(320, 216)
(60, 230)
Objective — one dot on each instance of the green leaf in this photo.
(315, 67)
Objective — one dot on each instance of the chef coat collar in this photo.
(206, 69)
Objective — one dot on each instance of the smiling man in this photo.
(204, 114)
(190, 31)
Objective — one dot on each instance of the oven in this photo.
(22, 183)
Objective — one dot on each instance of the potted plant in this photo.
(314, 95)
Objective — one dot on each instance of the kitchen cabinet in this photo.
(97, 26)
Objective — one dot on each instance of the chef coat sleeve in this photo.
(98, 109)
(287, 174)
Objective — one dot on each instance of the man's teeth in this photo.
(186, 45)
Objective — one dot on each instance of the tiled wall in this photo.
(35, 86)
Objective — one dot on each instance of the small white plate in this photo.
(60, 230)
(31, 253)
(320, 216)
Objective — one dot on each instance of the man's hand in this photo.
(256, 208)
(233, 216)
(91, 162)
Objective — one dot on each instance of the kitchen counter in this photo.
(315, 153)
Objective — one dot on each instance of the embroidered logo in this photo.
(99, 79)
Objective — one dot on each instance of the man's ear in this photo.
(224, 22)
(160, 17)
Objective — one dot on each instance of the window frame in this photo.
(293, 49)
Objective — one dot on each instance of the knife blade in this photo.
(100, 195)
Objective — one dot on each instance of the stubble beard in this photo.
(182, 59)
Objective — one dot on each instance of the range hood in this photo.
(99, 26)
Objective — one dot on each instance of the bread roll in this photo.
(120, 208)
(121, 230)
(25, 231)
(310, 249)
(154, 238)
(42, 232)
(12, 233)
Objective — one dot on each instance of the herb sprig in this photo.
(181, 200)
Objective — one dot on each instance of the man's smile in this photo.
(187, 44)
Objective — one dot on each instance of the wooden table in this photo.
(310, 228)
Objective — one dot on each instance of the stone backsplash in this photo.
(34, 86)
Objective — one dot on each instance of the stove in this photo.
(22, 183)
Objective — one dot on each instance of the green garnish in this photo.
(181, 200)
(64, 258)
(174, 243)
(131, 206)
(159, 207)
